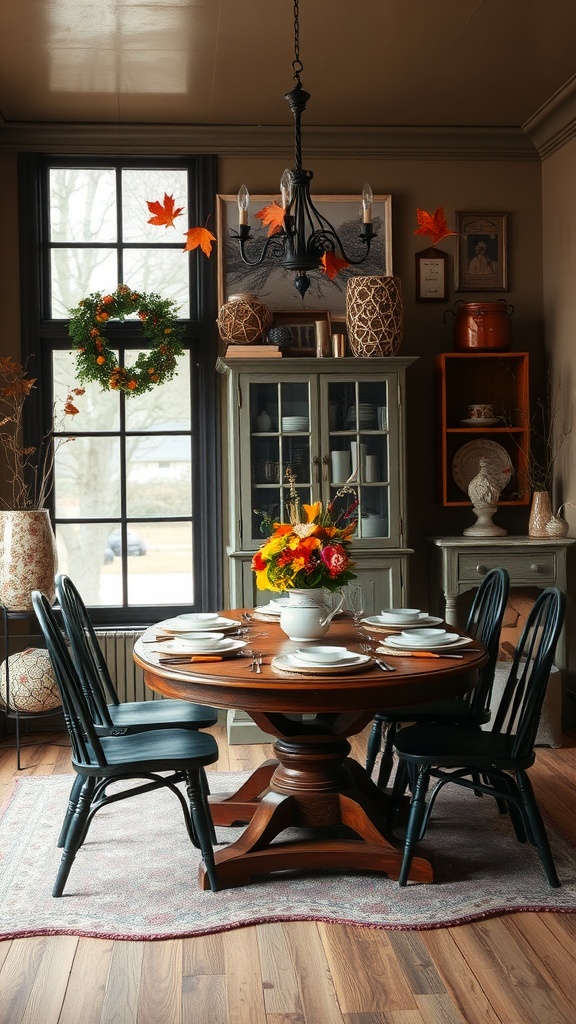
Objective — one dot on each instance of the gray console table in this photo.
(459, 563)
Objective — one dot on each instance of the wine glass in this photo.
(354, 602)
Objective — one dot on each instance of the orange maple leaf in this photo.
(433, 224)
(273, 215)
(199, 237)
(164, 213)
(332, 265)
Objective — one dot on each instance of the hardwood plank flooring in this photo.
(516, 969)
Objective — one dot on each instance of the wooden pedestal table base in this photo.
(313, 784)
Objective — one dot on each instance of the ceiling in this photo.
(475, 63)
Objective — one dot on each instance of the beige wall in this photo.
(490, 186)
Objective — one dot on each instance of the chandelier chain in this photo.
(297, 65)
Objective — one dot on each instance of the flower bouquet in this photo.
(312, 549)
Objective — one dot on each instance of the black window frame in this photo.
(41, 335)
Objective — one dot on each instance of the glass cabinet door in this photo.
(362, 440)
(281, 423)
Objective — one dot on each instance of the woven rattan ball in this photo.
(243, 319)
(33, 687)
(374, 315)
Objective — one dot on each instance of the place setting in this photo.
(425, 643)
(270, 612)
(390, 620)
(196, 622)
(197, 647)
(321, 660)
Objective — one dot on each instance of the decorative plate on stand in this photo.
(466, 463)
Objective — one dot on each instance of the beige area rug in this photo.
(136, 875)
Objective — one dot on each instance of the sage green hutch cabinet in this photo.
(330, 421)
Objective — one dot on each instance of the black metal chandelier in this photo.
(305, 236)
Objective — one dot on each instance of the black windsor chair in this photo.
(473, 709)
(99, 760)
(108, 712)
(500, 756)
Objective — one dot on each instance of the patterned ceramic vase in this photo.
(28, 559)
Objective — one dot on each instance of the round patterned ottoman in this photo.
(33, 687)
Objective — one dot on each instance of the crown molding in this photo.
(554, 124)
(358, 142)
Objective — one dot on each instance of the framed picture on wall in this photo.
(482, 254)
(274, 285)
(431, 275)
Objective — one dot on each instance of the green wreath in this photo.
(95, 360)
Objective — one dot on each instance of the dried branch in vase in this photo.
(27, 470)
(547, 437)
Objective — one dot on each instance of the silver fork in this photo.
(377, 661)
(256, 660)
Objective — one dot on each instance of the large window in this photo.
(135, 497)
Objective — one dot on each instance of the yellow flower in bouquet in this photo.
(312, 550)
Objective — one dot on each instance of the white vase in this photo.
(28, 559)
(308, 614)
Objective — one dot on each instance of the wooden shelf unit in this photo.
(498, 378)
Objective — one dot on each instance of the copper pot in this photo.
(482, 326)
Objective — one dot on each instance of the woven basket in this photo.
(374, 315)
(243, 319)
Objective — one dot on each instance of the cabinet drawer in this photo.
(526, 567)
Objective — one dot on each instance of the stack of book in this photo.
(253, 352)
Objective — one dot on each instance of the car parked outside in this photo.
(136, 545)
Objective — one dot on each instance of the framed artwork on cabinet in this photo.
(482, 254)
(309, 328)
(274, 285)
(431, 275)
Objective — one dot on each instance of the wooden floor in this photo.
(515, 969)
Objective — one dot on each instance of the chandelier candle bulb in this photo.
(367, 198)
(243, 203)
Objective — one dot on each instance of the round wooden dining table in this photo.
(311, 784)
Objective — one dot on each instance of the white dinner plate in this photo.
(425, 620)
(406, 643)
(182, 647)
(179, 624)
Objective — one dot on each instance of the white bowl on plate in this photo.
(322, 655)
(201, 641)
(431, 635)
(396, 616)
(199, 618)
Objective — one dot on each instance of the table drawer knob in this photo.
(536, 568)
(481, 570)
